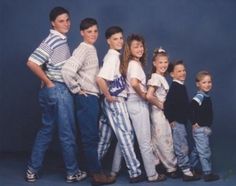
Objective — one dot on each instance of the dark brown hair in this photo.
(127, 56)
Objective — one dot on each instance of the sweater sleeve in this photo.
(168, 106)
(71, 67)
(194, 110)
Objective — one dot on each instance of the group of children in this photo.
(134, 107)
(164, 139)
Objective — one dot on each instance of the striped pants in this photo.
(118, 117)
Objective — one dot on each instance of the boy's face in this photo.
(90, 35)
(116, 41)
(179, 73)
(205, 84)
(62, 23)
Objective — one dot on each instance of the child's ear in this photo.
(154, 64)
(52, 23)
(108, 41)
(82, 33)
(197, 84)
(171, 74)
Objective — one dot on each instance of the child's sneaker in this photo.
(80, 175)
(211, 177)
(30, 176)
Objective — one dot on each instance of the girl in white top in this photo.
(160, 128)
(134, 60)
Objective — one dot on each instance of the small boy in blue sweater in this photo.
(201, 119)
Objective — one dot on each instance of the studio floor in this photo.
(12, 166)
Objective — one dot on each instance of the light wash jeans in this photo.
(201, 139)
(57, 112)
(140, 119)
(181, 147)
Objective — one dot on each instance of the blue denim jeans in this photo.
(201, 139)
(57, 112)
(181, 147)
(87, 113)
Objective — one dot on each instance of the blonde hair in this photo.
(200, 75)
(156, 53)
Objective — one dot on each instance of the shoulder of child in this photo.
(199, 98)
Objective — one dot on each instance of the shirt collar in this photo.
(178, 81)
(58, 34)
(89, 45)
(203, 93)
(113, 51)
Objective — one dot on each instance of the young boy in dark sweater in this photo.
(176, 110)
(201, 119)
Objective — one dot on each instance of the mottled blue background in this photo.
(201, 32)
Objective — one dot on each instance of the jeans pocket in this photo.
(51, 94)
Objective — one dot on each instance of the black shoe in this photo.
(191, 178)
(211, 177)
(159, 178)
(174, 175)
(80, 175)
(137, 179)
(102, 179)
(160, 169)
(197, 172)
(30, 176)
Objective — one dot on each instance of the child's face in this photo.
(62, 23)
(116, 41)
(179, 72)
(205, 84)
(136, 49)
(90, 35)
(161, 63)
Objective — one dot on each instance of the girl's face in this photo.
(137, 49)
(161, 63)
(179, 72)
(90, 35)
(205, 84)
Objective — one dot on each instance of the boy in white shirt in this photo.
(113, 86)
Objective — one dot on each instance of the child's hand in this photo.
(144, 95)
(172, 124)
(111, 99)
(82, 92)
(161, 105)
(195, 126)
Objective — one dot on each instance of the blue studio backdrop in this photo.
(200, 32)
